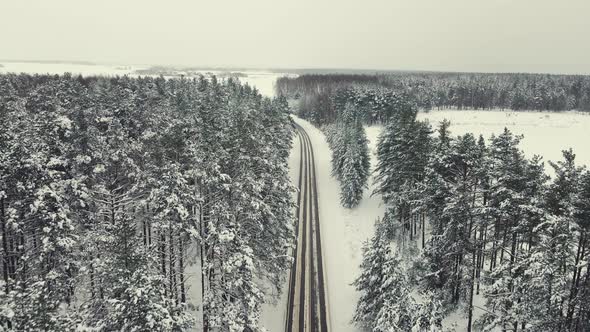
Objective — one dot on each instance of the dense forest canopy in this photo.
(112, 189)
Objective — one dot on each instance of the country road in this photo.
(307, 308)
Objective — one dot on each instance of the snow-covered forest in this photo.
(476, 218)
(350, 155)
(319, 101)
(301, 166)
(141, 204)
(473, 228)
(168, 204)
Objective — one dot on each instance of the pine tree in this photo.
(451, 252)
(398, 307)
(579, 310)
(385, 303)
(402, 152)
(369, 283)
(429, 315)
(350, 155)
(354, 172)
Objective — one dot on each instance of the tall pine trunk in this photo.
(172, 262)
(575, 279)
(4, 247)
(470, 318)
(181, 270)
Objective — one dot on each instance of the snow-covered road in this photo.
(344, 230)
(343, 233)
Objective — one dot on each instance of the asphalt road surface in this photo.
(307, 308)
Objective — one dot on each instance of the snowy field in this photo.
(545, 133)
(73, 68)
(264, 81)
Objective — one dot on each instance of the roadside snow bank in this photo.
(343, 231)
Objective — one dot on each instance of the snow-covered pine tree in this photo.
(350, 155)
(354, 172)
(394, 166)
(375, 253)
(39, 238)
(506, 183)
(579, 309)
(248, 224)
(429, 315)
(515, 205)
(451, 251)
(402, 152)
(434, 190)
(398, 307)
(385, 303)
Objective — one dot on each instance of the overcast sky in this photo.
(461, 35)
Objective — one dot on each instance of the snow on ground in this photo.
(60, 68)
(264, 81)
(545, 133)
(343, 232)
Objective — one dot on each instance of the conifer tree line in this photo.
(475, 226)
(112, 188)
(350, 155)
(347, 138)
(432, 90)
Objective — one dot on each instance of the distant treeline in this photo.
(443, 90)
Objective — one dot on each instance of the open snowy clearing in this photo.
(545, 133)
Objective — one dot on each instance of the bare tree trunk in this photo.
(470, 318)
(575, 279)
(149, 228)
(203, 248)
(144, 224)
(503, 245)
(4, 247)
(163, 255)
(512, 261)
(423, 230)
(481, 257)
(172, 262)
(5, 255)
(181, 270)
